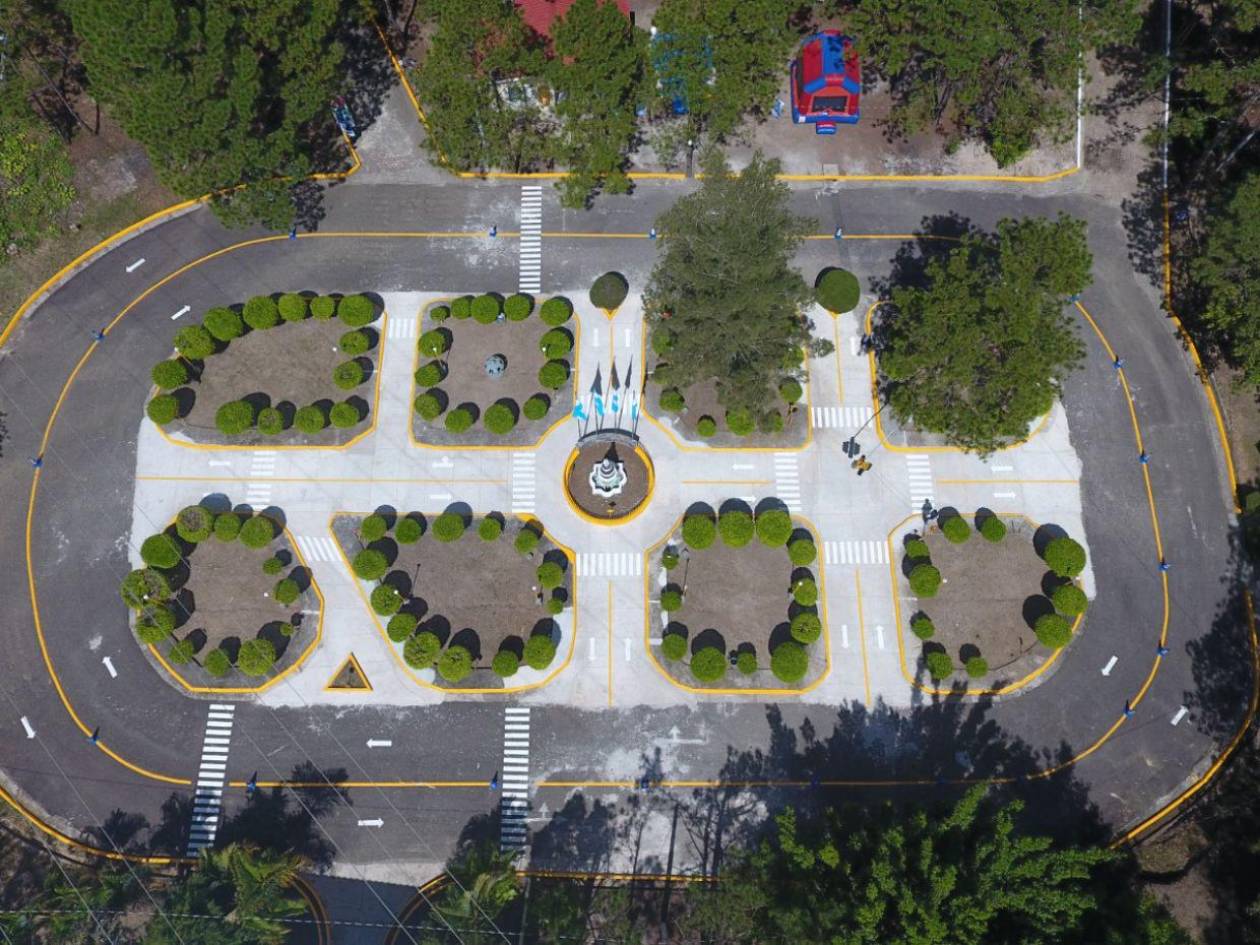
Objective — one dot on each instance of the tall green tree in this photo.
(724, 293)
(981, 348)
(221, 93)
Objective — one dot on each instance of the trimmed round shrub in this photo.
(673, 646)
(805, 592)
(194, 523)
(698, 531)
(540, 650)
(256, 657)
(774, 527)
(408, 530)
(430, 374)
(433, 343)
(286, 629)
(227, 526)
(517, 307)
(1069, 599)
(550, 575)
(370, 564)
(448, 526)
(922, 627)
(555, 606)
(344, 415)
(672, 400)
(217, 663)
(790, 390)
(806, 627)
(354, 342)
(956, 529)
(925, 580)
(993, 528)
(736, 528)
(486, 308)
(746, 662)
(535, 408)
(373, 528)
(356, 310)
(160, 551)
(976, 666)
(310, 419)
(838, 291)
(260, 313)
(1053, 631)
(461, 307)
(706, 426)
(272, 566)
(194, 342)
(440, 313)
(1065, 557)
(526, 541)
(669, 559)
(555, 343)
(505, 663)
(169, 374)
(234, 417)
(386, 599)
(270, 421)
(709, 665)
(802, 552)
(917, 548)
(428, 406)
(142, 587)
(286, 591)
(458, 420)
(223, 324)
(348, 375)
(155, 624)
(323, 306)
(400, 627)
(181, 653)
(671, 600)
(553, 374)
(938, 664)
(555, 311)
(292, 307)
(663, 340)
(499, 419)
(489, 529)
(609, 290)
(740, 422)
(162, 409)
(421, 650)
(454, 664)
(257, 531)
(770, 422)
(789, 662)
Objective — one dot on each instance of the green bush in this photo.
(806, 627)
(409, 529)
(440, 313)
(526, 540)
(461, 307)
(740, 422)
(993, 528)
(518, 307)
(1069, 599)
(272, 566)
(535, 408)
(672, 400)
(554, 606)
(746, 662)
(673, 646)
(669, 559)
(1065, 557)
(1053, 631)
(227, 526)
(194, 523)
(976, 666)
(956, 529)
(217, 663)
(286, 591)
(256, 657)
(433, 343)
(270, 421)
(400, 627)
(162, 409)
(499, 419)
(428, 406)
(789, 662)
(486, 308)
(489, 529)
(540, 650)
(838, 291)
(505, 663)
(430, 374)
(356, 310)
(663, 340)
(555, 343)
(181, 653)
(373, 528)
(706, 426)
(454, 664)
(736, 527)
(386, 599)
(160, 551)
(458, 420)
(802, 552)
(260, 313)
(155, 623)
(609, 291)
(223, 324)
(169, 374)
(709, 665)
(143, 587)
(234, 417)
(922, 627)
(553, 374)
(550, 575)
(448, 526)
(348, 374)
(939, 665)
(420, 651)
(286, 630)
(774, 527)
(292, 307)
(323, 306)
(805, 592)
(671, 600)
(310, 419)
(354, 342)
(790, 390)
(770, 422)
(257, 532)
(370, 564)
(925, 580)
(698, 531)
(555, 311)
(344, 415)
(194, 342)
(917, 548)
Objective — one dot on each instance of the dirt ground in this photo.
(633, 493)
(288, 367)
(1241, 408)
(701, 400)
(467, 383)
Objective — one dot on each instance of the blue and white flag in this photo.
(616, 403)
(599, 405)
(579, 412)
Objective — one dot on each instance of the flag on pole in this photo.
(599, 405)
(579, 412)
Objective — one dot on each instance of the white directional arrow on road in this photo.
(1111, 664)
(109, 667)
(372, 823)
(380, 743)
(674, 734)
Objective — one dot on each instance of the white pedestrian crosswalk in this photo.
(401, 328)
(842, 418)
(610, 564)
(919, 472)
(317, 548)
(523, 482)
(514, 782)
(211, 775)
(787, 480)
(855, 552)
(262, 466)
(530, 279)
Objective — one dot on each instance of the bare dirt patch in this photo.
(633, 494)
(702, 401)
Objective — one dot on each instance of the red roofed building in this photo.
(539, 15)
